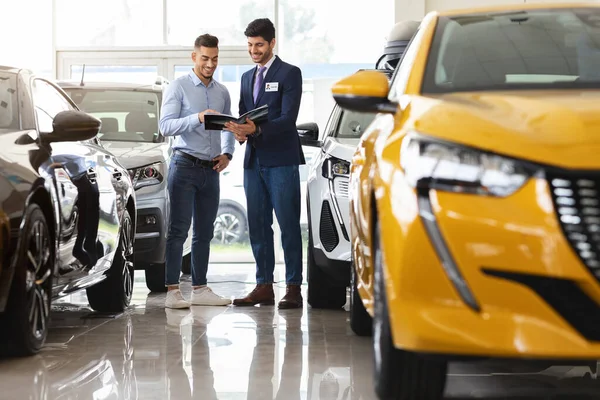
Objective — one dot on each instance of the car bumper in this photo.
(531, 295)
(151, 232)
(338, 270)
(329, 214)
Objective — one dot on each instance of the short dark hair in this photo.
(206, 40)
(261, 27)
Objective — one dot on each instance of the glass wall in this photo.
(115, 73)
(328, 44)
(24, 47)
(109, 23)
(226, 19)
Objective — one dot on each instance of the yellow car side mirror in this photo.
(364, 91)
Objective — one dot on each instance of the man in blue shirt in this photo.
(199, 155)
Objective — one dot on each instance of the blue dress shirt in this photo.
(183, 99)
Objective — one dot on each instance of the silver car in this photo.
(129, 115)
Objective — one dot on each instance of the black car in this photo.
(67, 211)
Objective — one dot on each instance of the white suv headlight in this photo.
(455, 168)
(147, 176)
(334, 166)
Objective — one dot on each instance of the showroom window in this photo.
(109, 23)
(226, 19)
(313, 33)
(27, 40)
(326, 46)
(115, 73)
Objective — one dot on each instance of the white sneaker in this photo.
(175, 300)
(206, 297)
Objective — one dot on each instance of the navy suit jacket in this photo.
(278, 143)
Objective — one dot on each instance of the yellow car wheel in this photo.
(399, 374)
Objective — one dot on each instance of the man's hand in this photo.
(209, 111)
(241, 131)
(222, 162)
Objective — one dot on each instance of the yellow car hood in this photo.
(560, 128)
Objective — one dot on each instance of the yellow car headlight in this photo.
(456, 168)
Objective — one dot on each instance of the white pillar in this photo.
(412, 10)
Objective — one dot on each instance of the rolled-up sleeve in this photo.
(227, 138)
(171, 123)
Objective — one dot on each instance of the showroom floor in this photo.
(234, 353)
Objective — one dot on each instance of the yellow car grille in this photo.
(577, 203)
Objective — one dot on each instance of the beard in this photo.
(264, 57)
(200, 72)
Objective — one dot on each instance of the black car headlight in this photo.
(147, 176)
(456, 168)
(333, 167)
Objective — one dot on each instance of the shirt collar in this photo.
(197, 80)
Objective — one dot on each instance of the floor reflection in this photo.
(237, 353)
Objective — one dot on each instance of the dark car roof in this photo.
(107, 85)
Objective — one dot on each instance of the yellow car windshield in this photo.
(548, 48)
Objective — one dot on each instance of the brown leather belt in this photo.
(196, 160)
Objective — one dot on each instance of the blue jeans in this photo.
(193, 192)
(268, 189)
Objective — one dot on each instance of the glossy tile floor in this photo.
(236, 353)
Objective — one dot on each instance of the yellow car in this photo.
(475, 195)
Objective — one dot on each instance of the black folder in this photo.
(217, 121)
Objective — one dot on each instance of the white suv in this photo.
(328, 252)
(329, 259)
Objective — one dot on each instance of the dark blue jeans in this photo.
(268, 189)
(193, 192)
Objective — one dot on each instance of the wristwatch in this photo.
(228, 156)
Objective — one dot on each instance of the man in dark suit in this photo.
(273, 154)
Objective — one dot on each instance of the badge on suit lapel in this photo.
(271, 86)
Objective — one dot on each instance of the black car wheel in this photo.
(399, 374)
(186, 264)
(155, 278)
(25, 323)
(323, 292)
(360, 320)
(114, 293)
